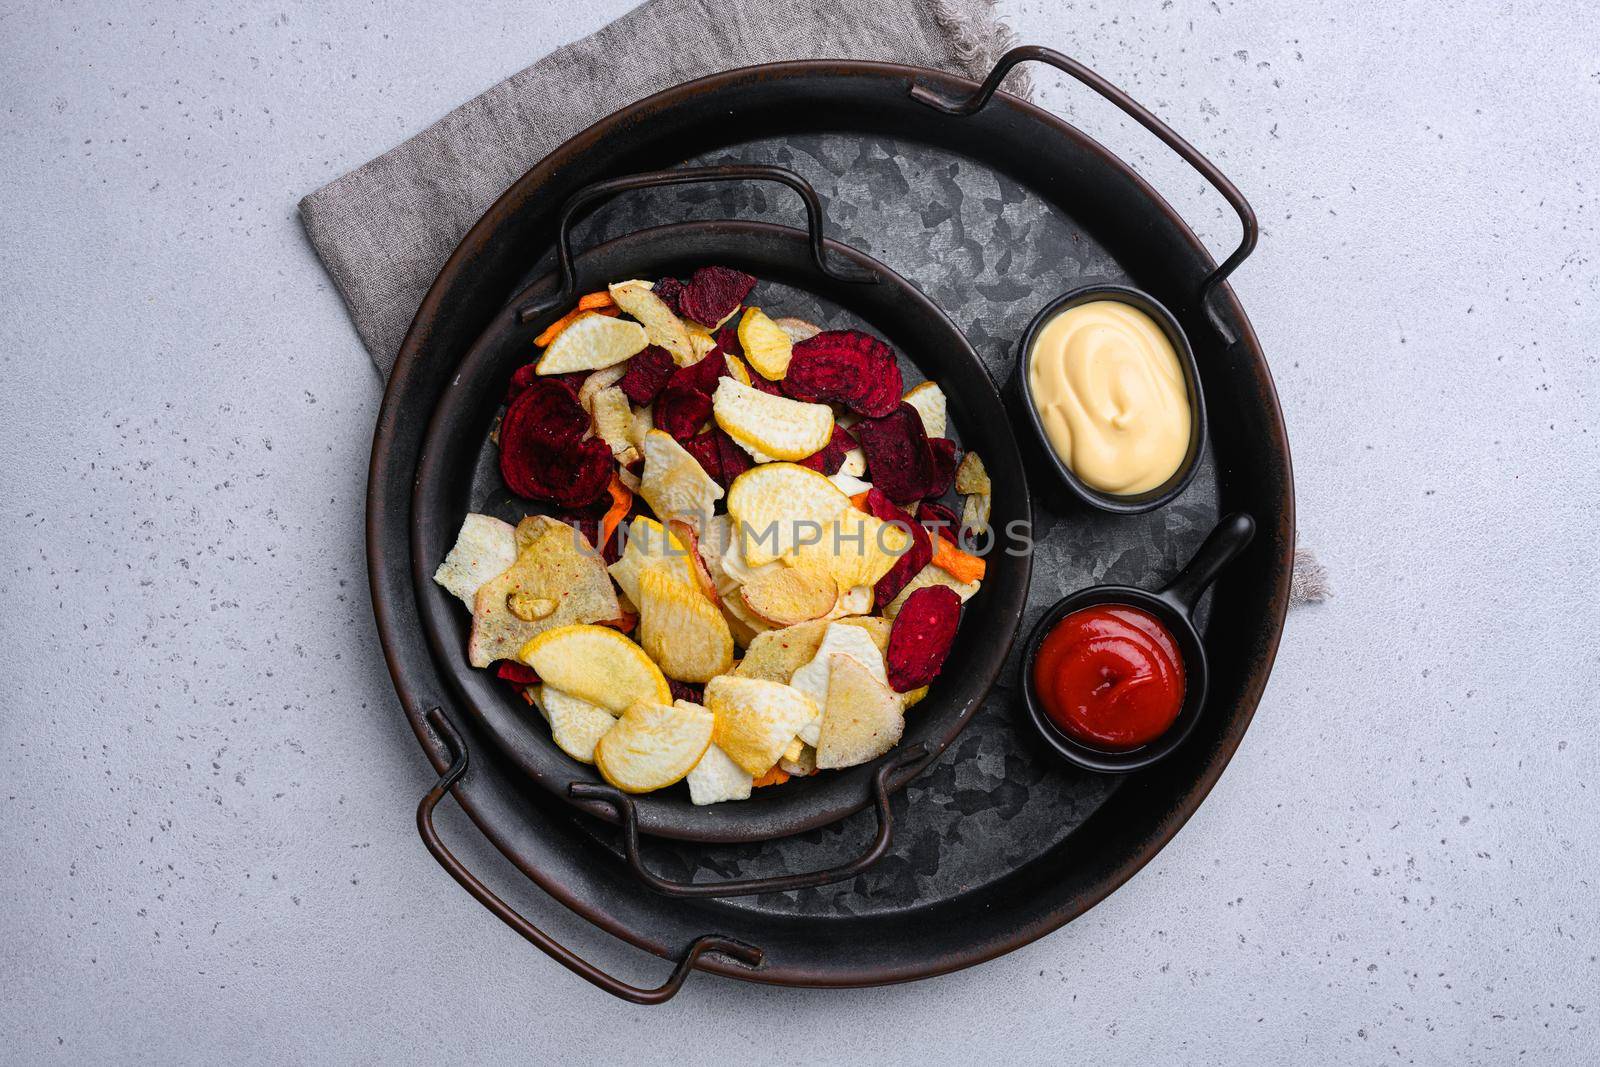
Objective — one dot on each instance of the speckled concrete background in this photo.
(206, 816)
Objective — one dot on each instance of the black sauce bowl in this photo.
(1174, 607)
(1132, 503)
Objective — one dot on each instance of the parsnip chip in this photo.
(864, 717)
(737, 369)
(554, 563)
(802, 765)
(653, 745)
(778, 503)
(972, 476)
(875, 627)
(575, 725)
(592, 342)
(644, 420)
(681, 630)
(701, 340)
(855, 463)
(843, 639)
(776, 654)
(649, 544)
(786, 595)
(797, 329)
(930, 403)
(771, 427)
(484, 548)
(849, 484)
(913, 696)
(661, 326)
(929, 575)
(603, 378)
(756, 719)
(674, 484)
(613, 420)
(597, 664)
(717, 778)
(975, 510)
(766, 345)
(857, 600)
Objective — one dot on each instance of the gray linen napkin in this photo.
(385, 229)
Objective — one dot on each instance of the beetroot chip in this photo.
(921, 636)
(703, 447)
(518, 674)
(831, 457)
(701, 376)
(944, 467)
(543, 455)
(899, 455)
(728, 340)
(681, 410)
(694, 694)
(523, 377)
(936, 518)
(845, 367)
(912, 560)
(762, 384)
(648, 374)
(670, 290)
(713, 293)
(733, 459)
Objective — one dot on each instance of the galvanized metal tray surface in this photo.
(991, 214)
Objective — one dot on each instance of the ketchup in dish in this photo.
(1110, 676)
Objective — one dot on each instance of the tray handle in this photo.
(737, 950)
(567, 291)
(1135, 110)
(919, 755)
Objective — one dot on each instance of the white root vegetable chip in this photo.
(484, 548)
(653, 745)
(717, 778)
(864, 718)
(592, 342)
(575, 725)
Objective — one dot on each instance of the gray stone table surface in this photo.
(206, 811)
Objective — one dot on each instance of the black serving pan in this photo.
(789, 262)
(997, 843)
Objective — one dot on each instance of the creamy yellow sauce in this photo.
(1109, 391)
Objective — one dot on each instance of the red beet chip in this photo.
(713, 293)
(899, 455)
(542, 452)
(670, 290)
(703, 447)
(937, 518)
(694, 694)
(831, 457)
(648, 374)
(845, 367)
(921, 636)
(944, 467)
(701, 376)
(734, 460)
(523, 377)
(728, 340)
(911, 560)
(681, 410)
(519, 674)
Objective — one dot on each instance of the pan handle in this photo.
(918, 755)
(1136, 111)
(738, 950)
(565, 294)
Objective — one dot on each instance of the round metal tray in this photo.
(991, 207)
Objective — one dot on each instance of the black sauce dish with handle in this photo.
(1174, 607)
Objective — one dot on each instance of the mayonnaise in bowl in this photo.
(1110, 396)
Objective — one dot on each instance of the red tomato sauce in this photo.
(1110, 676)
